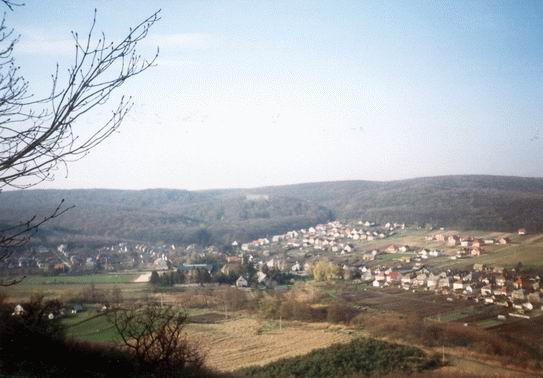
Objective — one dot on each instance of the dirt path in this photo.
(144, 277)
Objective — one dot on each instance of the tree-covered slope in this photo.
(484, 202)
(173, 216)
(220, 216)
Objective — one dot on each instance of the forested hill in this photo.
(468, 202)
(172, 216)
(220, 216)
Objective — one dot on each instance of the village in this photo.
(359, 252)
(519, 293)
(364, 276)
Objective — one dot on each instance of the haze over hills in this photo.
(221, 216)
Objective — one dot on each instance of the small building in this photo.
(444, 282)
(392, 248)
(500, 280)
(453, 240)
(18, 311)
(432, 283)
(366, 276)
(478, 267)
(394, 277)
(517, 294)
(458, 285)
(77, 309)
(241, 282)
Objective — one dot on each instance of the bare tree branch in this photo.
(39, 135)
(155, 335)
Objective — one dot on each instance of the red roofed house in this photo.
(394, 277)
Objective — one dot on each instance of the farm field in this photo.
(107, 278)
(229, 344)
(246, 341)
(66, 286)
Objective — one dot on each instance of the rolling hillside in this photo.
(469, 202)
(172, 216)
(220, 216)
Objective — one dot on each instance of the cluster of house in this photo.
(486, 284)
(117, 257)
(335, 237)
(60, 312)
(38, 259)
(454, 240)
(469, 245)
(415, 254)
(332, 236)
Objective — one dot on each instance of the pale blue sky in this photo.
(262, 93)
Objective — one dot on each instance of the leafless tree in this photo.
(155, 335)
(37, 135)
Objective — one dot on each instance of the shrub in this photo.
(340, 312)
(361, 356)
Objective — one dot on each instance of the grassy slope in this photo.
(89, 326)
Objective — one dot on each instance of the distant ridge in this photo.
(464, 201)
(501, 203)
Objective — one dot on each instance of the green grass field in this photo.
(105, 278)
(456, 315)
(393, 256)
(89, 326)
(489, 323)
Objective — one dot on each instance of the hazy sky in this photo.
(269, 92)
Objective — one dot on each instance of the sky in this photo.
(255, 93)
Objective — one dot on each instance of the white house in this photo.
(19, 310)
(486, 290)
(431, 283)
(241, 282)
(458, 285)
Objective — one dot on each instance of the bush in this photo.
(340, 312)
(361, 356)
(155, 336)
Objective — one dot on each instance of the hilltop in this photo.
(497, 203)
